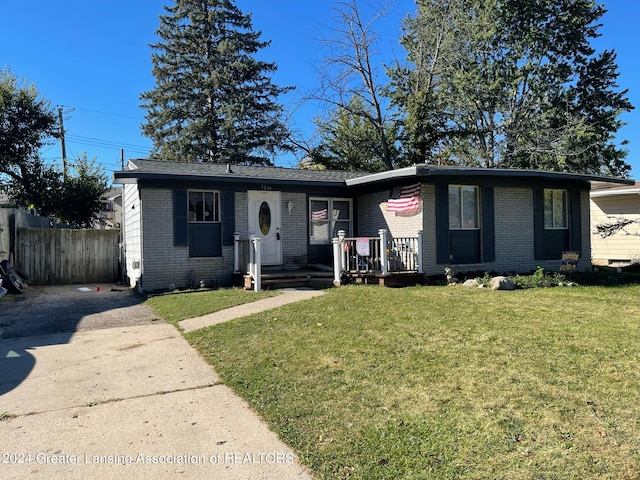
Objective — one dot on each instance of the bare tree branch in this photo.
(350, 73)
(618, 224)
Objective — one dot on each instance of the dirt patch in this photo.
(44, 310)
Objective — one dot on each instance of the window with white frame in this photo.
(327, 216)
(463, 207)
(204, 225)
(555, 209)
(204, 206)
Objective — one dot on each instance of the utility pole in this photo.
(64, 148)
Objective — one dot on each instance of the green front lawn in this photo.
(445, 382)
(174, 307)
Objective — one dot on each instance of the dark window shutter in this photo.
(538, 224)
(180, 219)
(442, 223)
(204, 240)
(576, 221)
(228, 218)
(464, 246)
(489, 226)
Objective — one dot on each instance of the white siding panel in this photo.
(622, 246)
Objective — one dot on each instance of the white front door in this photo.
(264, 223)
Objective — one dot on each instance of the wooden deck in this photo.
(397, 279)
(274, 279)
(313, 278)
(382, 260)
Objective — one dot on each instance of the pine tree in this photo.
(212, 100)
(510, 83)
(348, 141)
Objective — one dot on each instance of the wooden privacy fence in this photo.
(59, 256)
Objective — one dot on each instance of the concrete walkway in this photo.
(288, 295)
(131, 402)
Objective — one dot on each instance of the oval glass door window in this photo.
(264, 218)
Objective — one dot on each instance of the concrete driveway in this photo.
(108, 391)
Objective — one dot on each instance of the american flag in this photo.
(406, 201)
(319, 215)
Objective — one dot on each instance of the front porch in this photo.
(383, 260)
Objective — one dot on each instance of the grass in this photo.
(175, 307)
(445, 382)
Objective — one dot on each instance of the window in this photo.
(463, 207)
(555, 209)
(204, 224)
(204, 206)
(107, 206)
(465, 224)
(556, 222)
(327, 216)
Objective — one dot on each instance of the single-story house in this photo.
(616, 205)
(182, 221)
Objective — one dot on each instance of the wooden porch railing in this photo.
(381, 255)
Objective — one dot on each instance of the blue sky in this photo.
(92, 57)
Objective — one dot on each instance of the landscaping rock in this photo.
(501, 283)
(472, 282)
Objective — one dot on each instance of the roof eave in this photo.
(406, 172)
(132, 177)
(434, 171)
(609, 192)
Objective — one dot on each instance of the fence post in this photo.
(419, 251)
(258, 264)
(236, 252)
(384, 260)
(337, 261)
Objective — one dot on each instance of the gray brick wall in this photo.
(295, 228)
(242, 214)
(513, 234)
(429, 250)
(514, 229)
(373, 215)
(165, 264)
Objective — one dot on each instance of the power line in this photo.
(97, 142)
(82, 141)
(103, 113)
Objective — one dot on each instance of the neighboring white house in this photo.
(608, 206)
(110, 214)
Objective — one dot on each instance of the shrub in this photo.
(538, 279)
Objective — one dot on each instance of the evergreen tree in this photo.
(513, 83)
(212, 99)
(348, 141)
(435, 44)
